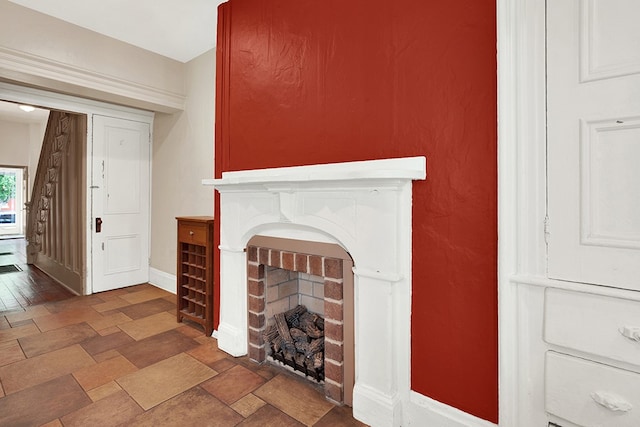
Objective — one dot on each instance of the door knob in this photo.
(98, 225)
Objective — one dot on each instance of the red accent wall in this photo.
(304, 82)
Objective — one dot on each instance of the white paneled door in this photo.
(120, 203)
(593, 97)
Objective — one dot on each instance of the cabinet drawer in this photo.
(591, 394)
(192, 233)
(603, 326)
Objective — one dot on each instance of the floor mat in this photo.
(9, 268)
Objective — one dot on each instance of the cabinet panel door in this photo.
(593, 96)
(602, 326)
(591, 394)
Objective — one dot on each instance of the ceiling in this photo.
(178, 29)
(11, 113)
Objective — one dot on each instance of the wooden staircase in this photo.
(56, 140)
(55, 213)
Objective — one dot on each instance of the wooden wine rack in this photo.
(195, 271)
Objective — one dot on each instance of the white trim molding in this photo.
(429, 412)
(162, 280)
(521, 191)
(48, 99)
(38, 71)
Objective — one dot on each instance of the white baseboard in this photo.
(414, 409)
(162, 280)
(375, 409)
(424, 411)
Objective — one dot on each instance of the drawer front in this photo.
(591, 394)
(192, 233)
(603, 326)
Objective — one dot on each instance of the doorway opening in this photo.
(13, 196)
(108, 126)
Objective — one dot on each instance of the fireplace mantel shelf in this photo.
(405, 168)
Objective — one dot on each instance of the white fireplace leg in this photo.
(232, 330)
(376, 395)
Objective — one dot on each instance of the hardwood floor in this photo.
(120, 358)
(29, 286)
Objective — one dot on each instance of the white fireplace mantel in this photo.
(405, 168)
(365, 207)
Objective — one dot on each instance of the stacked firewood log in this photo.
(298, 335)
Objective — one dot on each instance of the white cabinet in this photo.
(590, 332)
(591, 350)
(570, 211)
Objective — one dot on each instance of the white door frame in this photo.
(37, 97)
(521, 183)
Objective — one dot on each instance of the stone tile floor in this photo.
(26, 287)
(120, 358)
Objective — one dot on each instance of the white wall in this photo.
(20, 146)
(14, 148)
(36, 135)
(182, 156)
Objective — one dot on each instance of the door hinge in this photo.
(103, 246)
(546, 229)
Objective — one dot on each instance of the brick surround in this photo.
(259, 259)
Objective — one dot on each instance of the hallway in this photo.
(27, 285)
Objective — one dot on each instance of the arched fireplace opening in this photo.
(300, 310)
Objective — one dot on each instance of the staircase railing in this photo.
(54, 145)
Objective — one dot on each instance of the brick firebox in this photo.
(318, 259)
